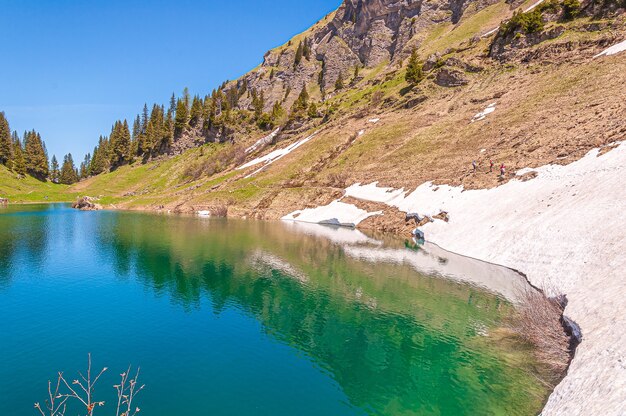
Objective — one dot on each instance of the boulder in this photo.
(4, 201)
(448, 77)
(85, 204)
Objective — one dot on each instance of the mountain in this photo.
(504, 143)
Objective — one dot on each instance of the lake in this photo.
(232, 317)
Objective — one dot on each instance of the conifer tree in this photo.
(99, 160)
(68, 174)
(35, 156)
(187, 100)
(277, 112)
(119, 142)
(18, 163)
(299, 53)
(136, 129)
(172, 108)
(258, 104)
(339, 82)
(414, 73)
(180, 120)
(301, 103)
(144, 118)
(84, 167)
(5, 141)
(306, 49)
(196, 111)
(54, 170)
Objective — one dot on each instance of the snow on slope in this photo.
(272, 157)
(565, 229)
(335, 213)
(483, 114)
(617, 48)
(265, 140)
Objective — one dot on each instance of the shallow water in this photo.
(255, 318)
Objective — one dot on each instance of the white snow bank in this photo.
(272, 157)
(261, 142)
(373, 120)
(620, 47)
(335, 213)
(481, 116)
(566, 229)
(204, 213)
(373, 193)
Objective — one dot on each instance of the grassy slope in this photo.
(29, 189)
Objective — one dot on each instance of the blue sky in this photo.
(70, 68)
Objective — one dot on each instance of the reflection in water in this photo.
(348, 325)
(24, 233)
(395, 342)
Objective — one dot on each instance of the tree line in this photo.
(27, 155)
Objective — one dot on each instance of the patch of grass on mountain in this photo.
(28, 189)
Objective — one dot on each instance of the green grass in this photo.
(30, 190)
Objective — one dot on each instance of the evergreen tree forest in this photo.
(150, 134)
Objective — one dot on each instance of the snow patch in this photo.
(373, 120)
(565, 231)
(481, 116)
(261, 142)
(615, 49)
(272, 157)
(203, 213)
(335, 213)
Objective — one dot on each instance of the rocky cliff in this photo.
(361, 33)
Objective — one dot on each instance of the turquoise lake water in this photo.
(232, 317)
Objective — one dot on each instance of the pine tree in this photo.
(301, 103)
(196, 111)
(54, 170)
(35, 156)
(68, 174)
(277, 112)
(258, 104)
(414, 73)
(339, 82)
(298, 58)
(18, 162)
(84, 167)
(144, 118)
(5, 141)
(99, 160)
(120, 144)
(312, 111)
(172, 108)
(187, 100)
(306, 49)
(180, 120)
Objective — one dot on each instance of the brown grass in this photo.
(539, 322)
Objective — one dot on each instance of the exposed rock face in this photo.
(448, 77)
(361, 33)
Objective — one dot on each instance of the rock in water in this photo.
(85, 204)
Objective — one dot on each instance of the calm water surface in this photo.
(244, 318)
